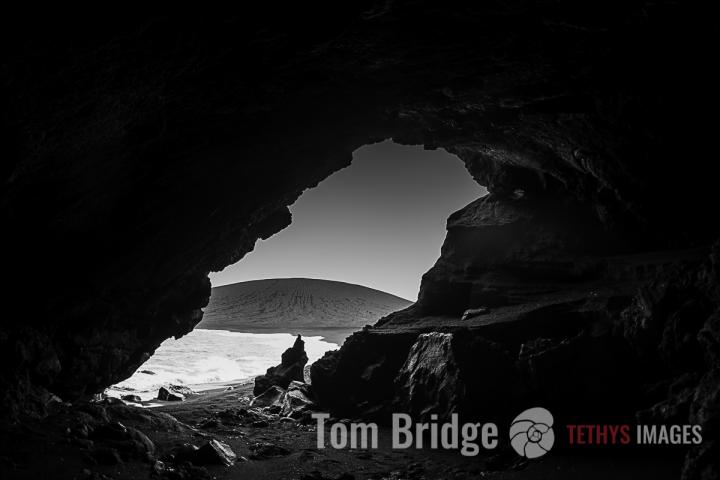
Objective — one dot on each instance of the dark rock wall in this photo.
(144, 153)
(500, 251)
(619, 351)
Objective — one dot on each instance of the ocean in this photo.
(204, 357)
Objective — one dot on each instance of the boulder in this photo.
(271, 396)
(297, 400)
(168, 395)
(175, 393)
(182, 389)
(304, 387)
(291, 368)
(214, 452)
(131, 398)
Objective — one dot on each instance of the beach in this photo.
(208, 359)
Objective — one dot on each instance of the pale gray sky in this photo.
(379, 223)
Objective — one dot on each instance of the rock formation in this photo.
(460, 373)
(429, 380)
(271, 396)
(291, 368)
(642, 349)
(214, 452)
(175, 393)
(297, 400)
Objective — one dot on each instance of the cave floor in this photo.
(49, 448)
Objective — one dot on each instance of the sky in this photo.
(379, 222)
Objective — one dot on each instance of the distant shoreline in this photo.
(331, 335)
(336, 335)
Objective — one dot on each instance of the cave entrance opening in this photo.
(379, 222)
(356, 249)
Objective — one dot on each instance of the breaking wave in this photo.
(214, 356)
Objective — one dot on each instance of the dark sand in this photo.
(386, 463)
(44, 449)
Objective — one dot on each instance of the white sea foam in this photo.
(214, 356)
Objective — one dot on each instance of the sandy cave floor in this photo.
(275, 449)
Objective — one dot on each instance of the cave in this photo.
(144, 153)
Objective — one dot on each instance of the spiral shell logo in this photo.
(531, 433)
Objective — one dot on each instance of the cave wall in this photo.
(144, 153)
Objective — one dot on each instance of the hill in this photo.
(296, 302)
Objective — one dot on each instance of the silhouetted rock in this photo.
(174, 393)
(457, 373)
(169, 395)
(297, 400)
(272, 396)
(303, 387)
(290, 368)
(429, 382)
(132, 398)
(361, 374)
